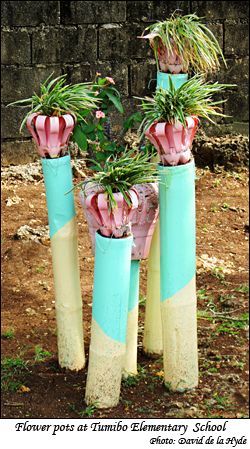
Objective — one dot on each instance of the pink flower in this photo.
(99, 114)
(110, 80)
(96, 93)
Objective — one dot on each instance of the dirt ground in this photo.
(34, 386)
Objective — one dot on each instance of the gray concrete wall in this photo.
(81, 37)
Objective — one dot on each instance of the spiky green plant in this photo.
(57, 98)
(194, 97)
(120, 174)
(190, 38)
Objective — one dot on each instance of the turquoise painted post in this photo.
(152, 338)
(178, 80)
(178, 288)
(130, 360)
(109, 320)
(63, 233)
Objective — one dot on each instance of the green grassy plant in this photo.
(191, 40)
(57, 98)
(120, 173)
(192, 98)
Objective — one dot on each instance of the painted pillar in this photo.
(152, 339)
(130, 359)
(109, 320)
(178, 289)
(63, 233)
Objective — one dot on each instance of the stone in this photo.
(122, 43)
(237, 105)
(23, 13)
(20, 82)
(76, 12)
(18, 152)
(46, 46)
(78, 44)
(15, 47)
(143, 78)
(11, 120)
(236, 39)
(217, 30)
(154, 10)
(79, 73)
(220, 9)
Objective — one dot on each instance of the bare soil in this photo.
(34, 386)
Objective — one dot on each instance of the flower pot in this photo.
(143, 217)
(115, 222)
(51, 134)
(169, 61)
(173, 141)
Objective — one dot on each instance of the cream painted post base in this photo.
(179, 324)
(130, 358)
(68, 300)
(152, 338)
(105, 369)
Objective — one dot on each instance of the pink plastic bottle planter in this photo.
(169, 62)
(144, 217)
(109, 222)
(173, 141)
(51, 134)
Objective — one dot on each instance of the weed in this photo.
(127, 404)
(201, 294)
(89, 410)
(212, 369)
(217, 183)
(40, 269)
(243, 288)
(40, 354)
(227, 300)
(214, 208)
(218, 273)
(130, 381)
(142, 300)
(12, 371)
(8, 334)
(142, 373)
(234, 326)
(222, 401)
(225, 206)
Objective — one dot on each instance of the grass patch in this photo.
(12, 373)
(8, 334)
(41, 354)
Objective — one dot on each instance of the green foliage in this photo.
(192, 98)
(56, 98)
(234, 326)
(193, 42)
(12, 371)
(89, 410)
(8, 334)
(243, 288)
(132, 120)
(120, 174)
(130, 381)
(92, 134)
(41, 354)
